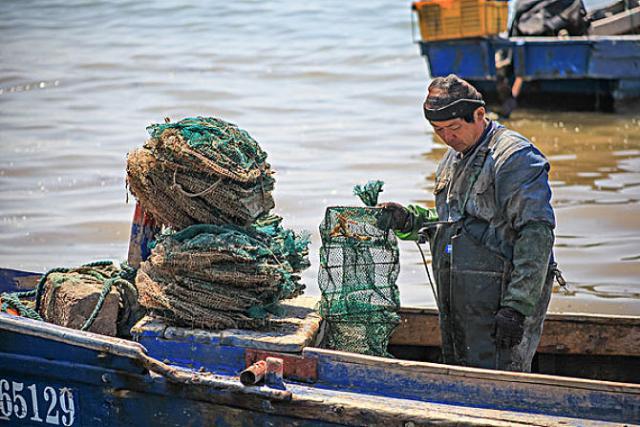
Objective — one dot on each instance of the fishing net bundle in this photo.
(201, 170)
(230, 261)
(78, 298)
(223, 276)
(359, 265)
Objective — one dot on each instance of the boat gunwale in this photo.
(135, 350)
(430, 368)
(598, 318)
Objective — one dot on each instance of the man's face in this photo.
(459, 134)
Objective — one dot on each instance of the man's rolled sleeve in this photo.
(531, 256)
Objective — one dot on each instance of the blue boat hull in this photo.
(52, 375)
(81, 379)
(583, 73)
(65, 377)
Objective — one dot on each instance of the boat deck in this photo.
(122, 382)
(224, 351)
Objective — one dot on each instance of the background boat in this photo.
(598, 71)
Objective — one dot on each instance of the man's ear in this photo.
(479, 114)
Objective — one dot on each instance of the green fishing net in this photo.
(359, 265)
(230, 147)
(230, 261)
(223, 276)
(201, 170)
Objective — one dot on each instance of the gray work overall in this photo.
(471, 278)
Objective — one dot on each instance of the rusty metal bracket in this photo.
(296, 367)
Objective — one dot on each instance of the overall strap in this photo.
(478, 163)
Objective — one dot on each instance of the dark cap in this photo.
(457, 109)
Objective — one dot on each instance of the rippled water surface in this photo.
(331, 90)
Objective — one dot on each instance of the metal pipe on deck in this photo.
(254, 373)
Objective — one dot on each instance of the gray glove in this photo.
(509, 327)
(394, 216)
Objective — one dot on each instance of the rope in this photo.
(122, 279)
(106, 288)
(433, 288)
(128, 273)
(13, 300)
(43, 280)
(193, 195)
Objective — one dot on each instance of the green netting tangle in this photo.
(359, 265)
(223, 276)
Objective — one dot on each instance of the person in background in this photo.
(490, 234)
(508, 85)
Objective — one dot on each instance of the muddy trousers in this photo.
(471, 280)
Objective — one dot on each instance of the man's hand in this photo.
(509, 327)
(394, 216)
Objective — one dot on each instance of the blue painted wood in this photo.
(114, 398)
(537, 58)
(615, 59)
(556, 60)
(193, 354)
(581, 65)
(117, 390)
(48, 349)
(470, 60)
(10, 279)
(389, 379)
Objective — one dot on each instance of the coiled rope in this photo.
(123, 280)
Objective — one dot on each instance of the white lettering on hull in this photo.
(18, 402)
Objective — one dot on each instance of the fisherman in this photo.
(490, 235)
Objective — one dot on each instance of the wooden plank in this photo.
(87, 340)
(562, 334)
(296, 329)
(105, 391)
(493, 376)
(417, 327)
(620, 23)
(293, 331)
(479, 387)
(17, 280)
(616, 335)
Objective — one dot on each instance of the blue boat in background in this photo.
(585, 73)
(589, 72)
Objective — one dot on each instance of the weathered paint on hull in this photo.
(111, 398)
(116, 382)
(110, 385)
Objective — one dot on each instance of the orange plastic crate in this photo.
(456, 19)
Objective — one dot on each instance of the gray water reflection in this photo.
(331, 90)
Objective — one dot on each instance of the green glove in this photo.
(419, 218)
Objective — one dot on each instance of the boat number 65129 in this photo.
(18, 401)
